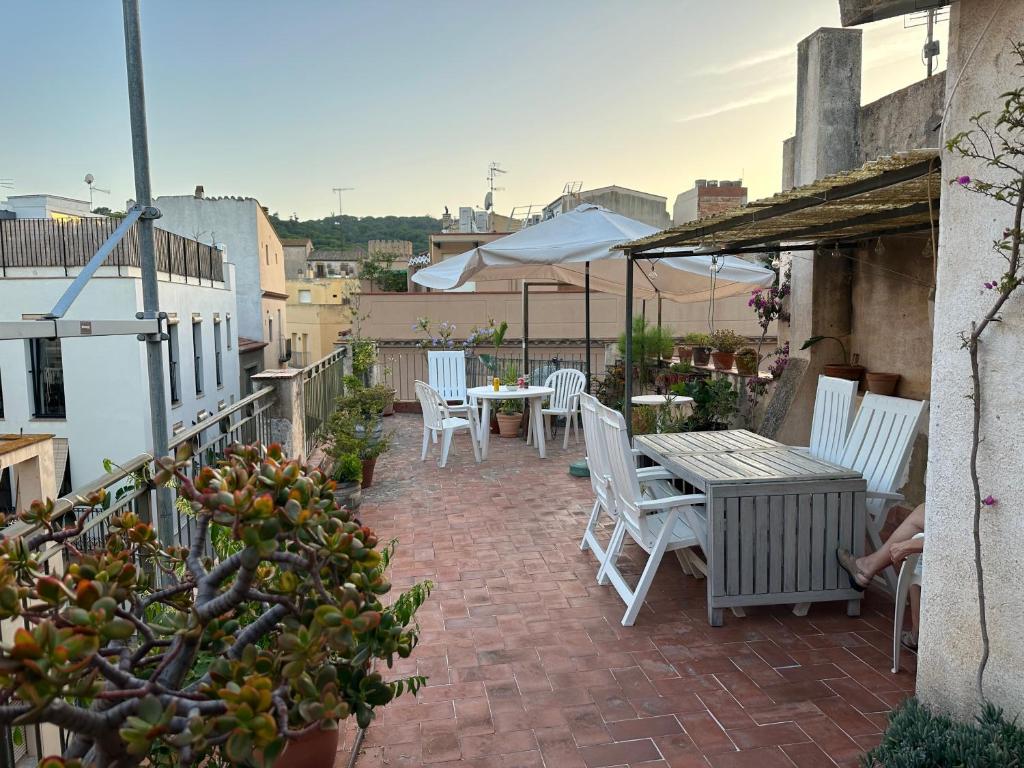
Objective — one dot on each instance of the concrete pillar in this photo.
(827, 103)
(950, 639)
(287, 414)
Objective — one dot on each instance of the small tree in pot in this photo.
(725, 343)
(348, 477)
(223, 659)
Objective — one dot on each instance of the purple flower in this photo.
(963, 181)
(990, 501)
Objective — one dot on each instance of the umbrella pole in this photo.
(526, 329)
(586, 314)
(627, 405)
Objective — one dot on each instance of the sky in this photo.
(408, 102)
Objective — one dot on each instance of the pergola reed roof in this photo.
(891, 195)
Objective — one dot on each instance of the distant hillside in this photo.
(327, 234)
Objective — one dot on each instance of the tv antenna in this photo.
(338, 191)
(930, 51)
(90, 180)
(492, 171)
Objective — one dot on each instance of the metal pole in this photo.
(586, 315)
(526, 329)
(150, 296)
(627, 405)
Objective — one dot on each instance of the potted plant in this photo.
(650, 345)
(701, 348)
(715, 403)
(357, 426)
(882, 383)
(725, 343)
(684, 350)
(747, 361)
(389, 390)
(348, 476)
(843, 370)
(364, 357)
(510, 416)
(228, 658)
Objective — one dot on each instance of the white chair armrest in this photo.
(655, 473)
(801, 448)
(886, 496)
(687, 500)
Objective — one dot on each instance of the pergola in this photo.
(889, 196)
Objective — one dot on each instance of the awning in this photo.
(889, 196)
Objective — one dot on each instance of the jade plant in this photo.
(206, 654)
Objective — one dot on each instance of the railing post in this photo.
(287, 413)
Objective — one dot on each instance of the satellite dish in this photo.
(488, 201)
(89, 178)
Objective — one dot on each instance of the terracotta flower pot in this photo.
(723, 360)
(348, 495)
(850, 372)
(701, 355)
(316, 749)
(882, 383)
(746, 366)
(508, 424)
(684, 353)
(368, 466)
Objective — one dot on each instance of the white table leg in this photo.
(538, 425)
(485, 428)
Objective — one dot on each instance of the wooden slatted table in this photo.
(774, 518)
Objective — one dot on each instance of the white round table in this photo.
(533, 395)
(660, 401)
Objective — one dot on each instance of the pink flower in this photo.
(963, 181)
(990, 501)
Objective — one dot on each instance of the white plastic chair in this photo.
(600, 475)
(437, 418)
(910, 574)
(656, 525)
(568, 384)
(446, 373)
(833, 414)
(879, 447)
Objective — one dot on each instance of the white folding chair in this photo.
(655, 481)
(437, 418)
(879, 447)
(910, 574)
(833, 414)
(656, 525)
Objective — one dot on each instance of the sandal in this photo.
(849, 564)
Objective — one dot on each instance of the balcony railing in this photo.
(322, 384)
(68, 245)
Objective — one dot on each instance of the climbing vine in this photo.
(997, 142)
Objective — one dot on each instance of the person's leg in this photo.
(874, 563)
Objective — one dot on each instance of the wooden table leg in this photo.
(485, 428)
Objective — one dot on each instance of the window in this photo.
(218, 362)
(197, 351)
(47, 375)
(173, 358)
(227, 330)
(270, 329)
(305, 297)
(266, 253)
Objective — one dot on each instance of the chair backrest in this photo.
(597, 452)
(833, 415)
(432, 405)
(447, 374)
(880, 442)
(568, 383)
(624, 481)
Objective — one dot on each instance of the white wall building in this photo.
(93, 392)
(47, 207)
(244, 227)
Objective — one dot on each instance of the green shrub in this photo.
(696, 340)
(724, 340)
(714, 403)
(918, 738)
(348, 468)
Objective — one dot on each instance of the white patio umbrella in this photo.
(578, 248)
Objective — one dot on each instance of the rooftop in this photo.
(529, 665)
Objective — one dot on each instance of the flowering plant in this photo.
(768, 302)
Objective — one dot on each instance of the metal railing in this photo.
(70, 244)
(322, 385)
(407, 364)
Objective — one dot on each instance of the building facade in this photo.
(92, 393)
(641, 206)
(243, 226)
(706, 198)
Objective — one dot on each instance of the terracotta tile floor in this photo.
(529, 665)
